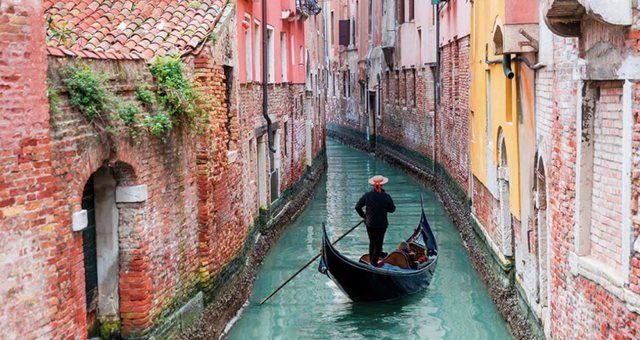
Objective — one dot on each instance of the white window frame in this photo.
(248, 42)
(257, 50)
(271, 67)
(283, 56)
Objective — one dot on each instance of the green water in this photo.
(455, 306)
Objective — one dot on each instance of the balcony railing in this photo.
(308, 7)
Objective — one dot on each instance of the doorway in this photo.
(100, 249)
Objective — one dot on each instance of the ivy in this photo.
(158, 124)
(177, 96)
(54, 100)
(129, 113)
(87, 91)
(144, 95)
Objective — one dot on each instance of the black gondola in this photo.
(360, 281)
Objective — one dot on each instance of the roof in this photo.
(131, 29)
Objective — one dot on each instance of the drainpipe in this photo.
(265, 102)
(436, 90)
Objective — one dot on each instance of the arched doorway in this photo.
(504, 218)
(100, 249)
(105, 215)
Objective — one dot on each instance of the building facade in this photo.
(130, 207)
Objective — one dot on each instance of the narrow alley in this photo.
(165, 164)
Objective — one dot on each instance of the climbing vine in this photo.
(174, 101)
(87, 91)
(179, 99)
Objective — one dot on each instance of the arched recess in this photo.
(103, 221)
(504, 214)
(498, 37)
(541, 229)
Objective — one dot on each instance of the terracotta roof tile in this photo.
(128, 29)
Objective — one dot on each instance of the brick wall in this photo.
(486, 209)
(407, 114)
(32, 304)
(453, 114)
(580, 307)
(606, 214)
(157, 238)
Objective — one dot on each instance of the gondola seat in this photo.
(399, 259)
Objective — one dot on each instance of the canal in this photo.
(456, 305)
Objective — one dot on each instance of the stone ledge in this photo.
(505, 263)
(133, 194)
(79, 220)
(614, 283)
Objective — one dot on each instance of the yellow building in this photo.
(501, 109)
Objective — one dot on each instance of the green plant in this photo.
(144, 94)
(158, 124)
(128, 113)
(87, 90)
(59, 31)
(54, 100)
(174, 91)
(213, 36)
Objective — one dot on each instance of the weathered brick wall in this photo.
(580, 307)
(157, 238)
(452, 136)
(286, 106)
(606, 215)
(486, 209)
(408, 112)
(33, 305)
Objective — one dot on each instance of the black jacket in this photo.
(378, 205)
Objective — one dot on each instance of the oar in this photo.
(307, 264)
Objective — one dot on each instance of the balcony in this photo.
(564, 17)
(306, 8)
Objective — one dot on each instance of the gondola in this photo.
(361, 281)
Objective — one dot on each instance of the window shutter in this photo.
(345, 26)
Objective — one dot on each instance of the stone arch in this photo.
(504, 191)
(103, 221)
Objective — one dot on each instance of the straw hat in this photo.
(377, 179)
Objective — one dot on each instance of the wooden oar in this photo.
(307, 264)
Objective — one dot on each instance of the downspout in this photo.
(265, 102)
(436, 90)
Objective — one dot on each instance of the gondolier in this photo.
(378, 204)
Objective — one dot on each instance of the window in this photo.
(400, 11)
(353, 32)
(257, 51)
(283, 55)
(301, 54)
(415, 88)
(332, 32)
(487, 95)
(412, 10)
(248, 54)
(271, 68)
(397, 87)
(293, 49)
(388, 85)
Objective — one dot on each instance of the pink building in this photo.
(285, 41)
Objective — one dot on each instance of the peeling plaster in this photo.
(630, 68)
(615, 12)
